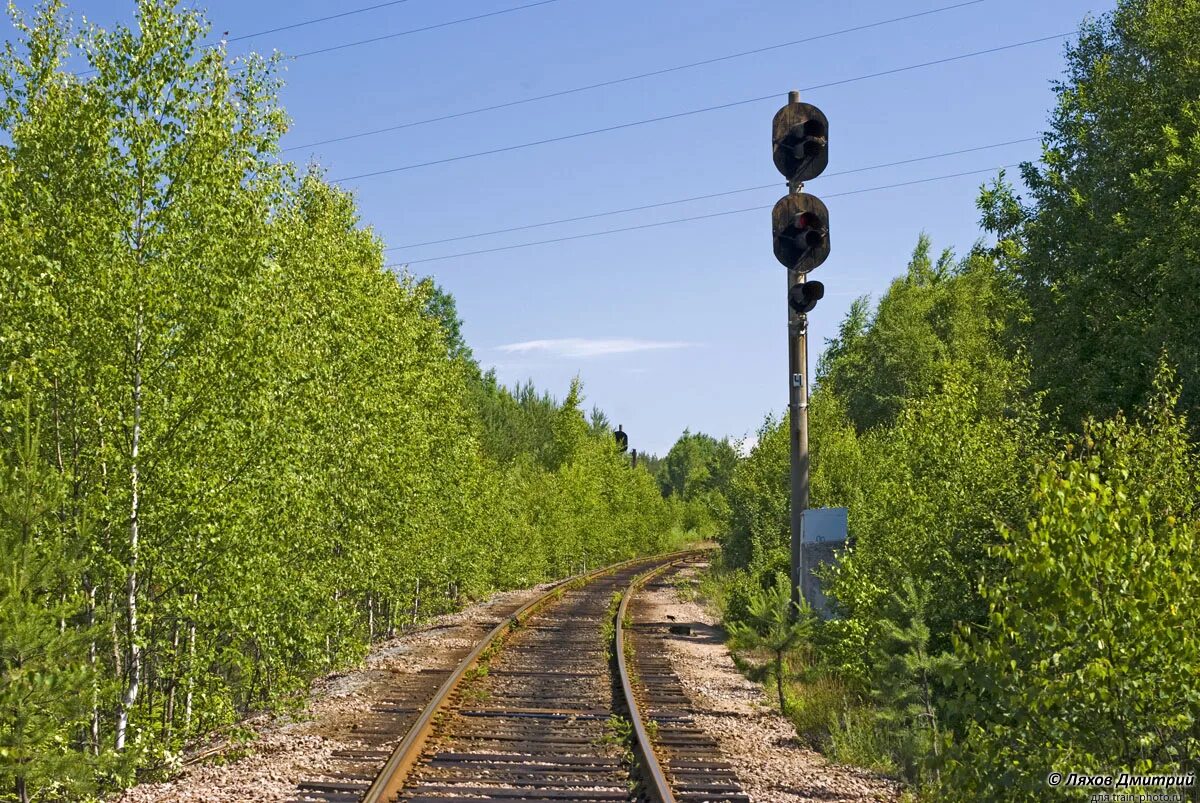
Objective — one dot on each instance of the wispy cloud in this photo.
(590, 347)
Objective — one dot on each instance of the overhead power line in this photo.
(691, 112)
(352, 12)
(422, 29)
(708, 196)
(629, 78)
(691, 219)
(315, 20)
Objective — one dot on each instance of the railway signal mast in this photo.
(800, 235)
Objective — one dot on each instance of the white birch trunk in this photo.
(133, 676)
(187, 701)
(92, 655)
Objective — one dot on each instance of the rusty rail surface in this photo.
(679, 760)
(396, 771)
(654, 779)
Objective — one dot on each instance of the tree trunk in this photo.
(191, 672)
(133, 677)
(118, 660)
(22, 792)
(92, 655)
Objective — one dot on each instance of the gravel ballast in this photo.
(771, 763)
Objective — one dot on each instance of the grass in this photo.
(679, 538)
(813, 707)
(608, 627)
(856, 738)
(828, 714)
(618, 733)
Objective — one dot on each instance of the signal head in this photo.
(800, 141)
(804, 296)
(800, 231)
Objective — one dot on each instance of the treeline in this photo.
(694, 478)
(1013, 434)
(235, 448)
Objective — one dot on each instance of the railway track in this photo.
(572, 698)
(680, 762)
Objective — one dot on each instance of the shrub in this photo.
(1088, 658)
(776, 624)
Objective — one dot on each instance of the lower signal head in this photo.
(804, 296)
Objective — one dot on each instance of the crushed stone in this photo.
(771, 763)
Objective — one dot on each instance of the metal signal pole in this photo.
(800, 234)
(798, 424)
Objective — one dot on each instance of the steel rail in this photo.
(657, 785)
(391, 779)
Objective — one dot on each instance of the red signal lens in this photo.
(810, 230)
(805, 221)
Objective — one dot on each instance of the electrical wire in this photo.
(628, 78)
(660, 204)
(672, 222)
(315, 20)
(692, 112)
(411, 31)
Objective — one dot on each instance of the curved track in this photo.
(563, 701)
(679, 761)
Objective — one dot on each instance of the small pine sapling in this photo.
(905, 676)
(774, 623)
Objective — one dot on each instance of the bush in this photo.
(741, 585)
(906, 678)
(776, 624)
(1091, 646)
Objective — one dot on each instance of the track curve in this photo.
(566, 699)
(679, 762)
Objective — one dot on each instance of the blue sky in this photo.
(672, 326)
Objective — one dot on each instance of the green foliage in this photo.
(441, 306)
(265, 449)
(776, 624)
(930, 490)
(1105, 249)
(905, 679)
(940, 446)
(514, 423)
(1091, 644)
(697, 464)
(695, 475)
(815, 700)
(760, 505)
(941, 320)
(758, 499)
(856, 738)
(46, 682)
(1062, 584)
